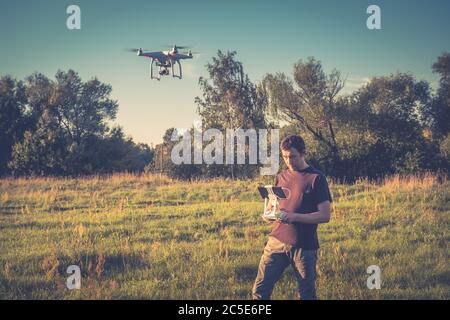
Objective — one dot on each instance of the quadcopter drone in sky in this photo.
(165, 60)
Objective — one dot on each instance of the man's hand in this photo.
(287, 217)
(267, 220)
(321, 216)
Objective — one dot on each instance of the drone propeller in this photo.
(183, 47)
(178, 47)
(135, 49)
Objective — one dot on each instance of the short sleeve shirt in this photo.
(305, 190)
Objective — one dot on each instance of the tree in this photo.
(65, 129)
(83, 109)
(440, 108)
(230, 101)
(445, 148)
(41, 152)
(390, 111)
(308, 102)
(116, 152)
(377, 130)
(12, 121)
(38, 91)
(162, 161)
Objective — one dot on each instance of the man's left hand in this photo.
(287, 217)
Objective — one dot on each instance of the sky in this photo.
(268, 36)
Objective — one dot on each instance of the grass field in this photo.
(149, 238)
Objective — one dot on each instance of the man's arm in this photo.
(321, 216)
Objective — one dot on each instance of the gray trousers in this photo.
(276, 257)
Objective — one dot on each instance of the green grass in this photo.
(149, 238)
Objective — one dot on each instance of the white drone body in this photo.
(165, 60)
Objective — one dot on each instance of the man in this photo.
(293, 239)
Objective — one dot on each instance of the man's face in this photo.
(292, 158)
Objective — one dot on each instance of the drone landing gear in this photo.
(158, 76)
(180, 73)
(164, 71)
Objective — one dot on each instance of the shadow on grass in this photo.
(246, 273)
(105, 265)
(30, 225)
(14, 289)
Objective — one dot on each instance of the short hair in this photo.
(293, 141)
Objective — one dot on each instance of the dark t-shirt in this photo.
(306, 190)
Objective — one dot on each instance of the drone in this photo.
(164, 60)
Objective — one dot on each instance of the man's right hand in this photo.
(267, 220)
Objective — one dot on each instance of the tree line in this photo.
(60, 127)
(392, 124)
